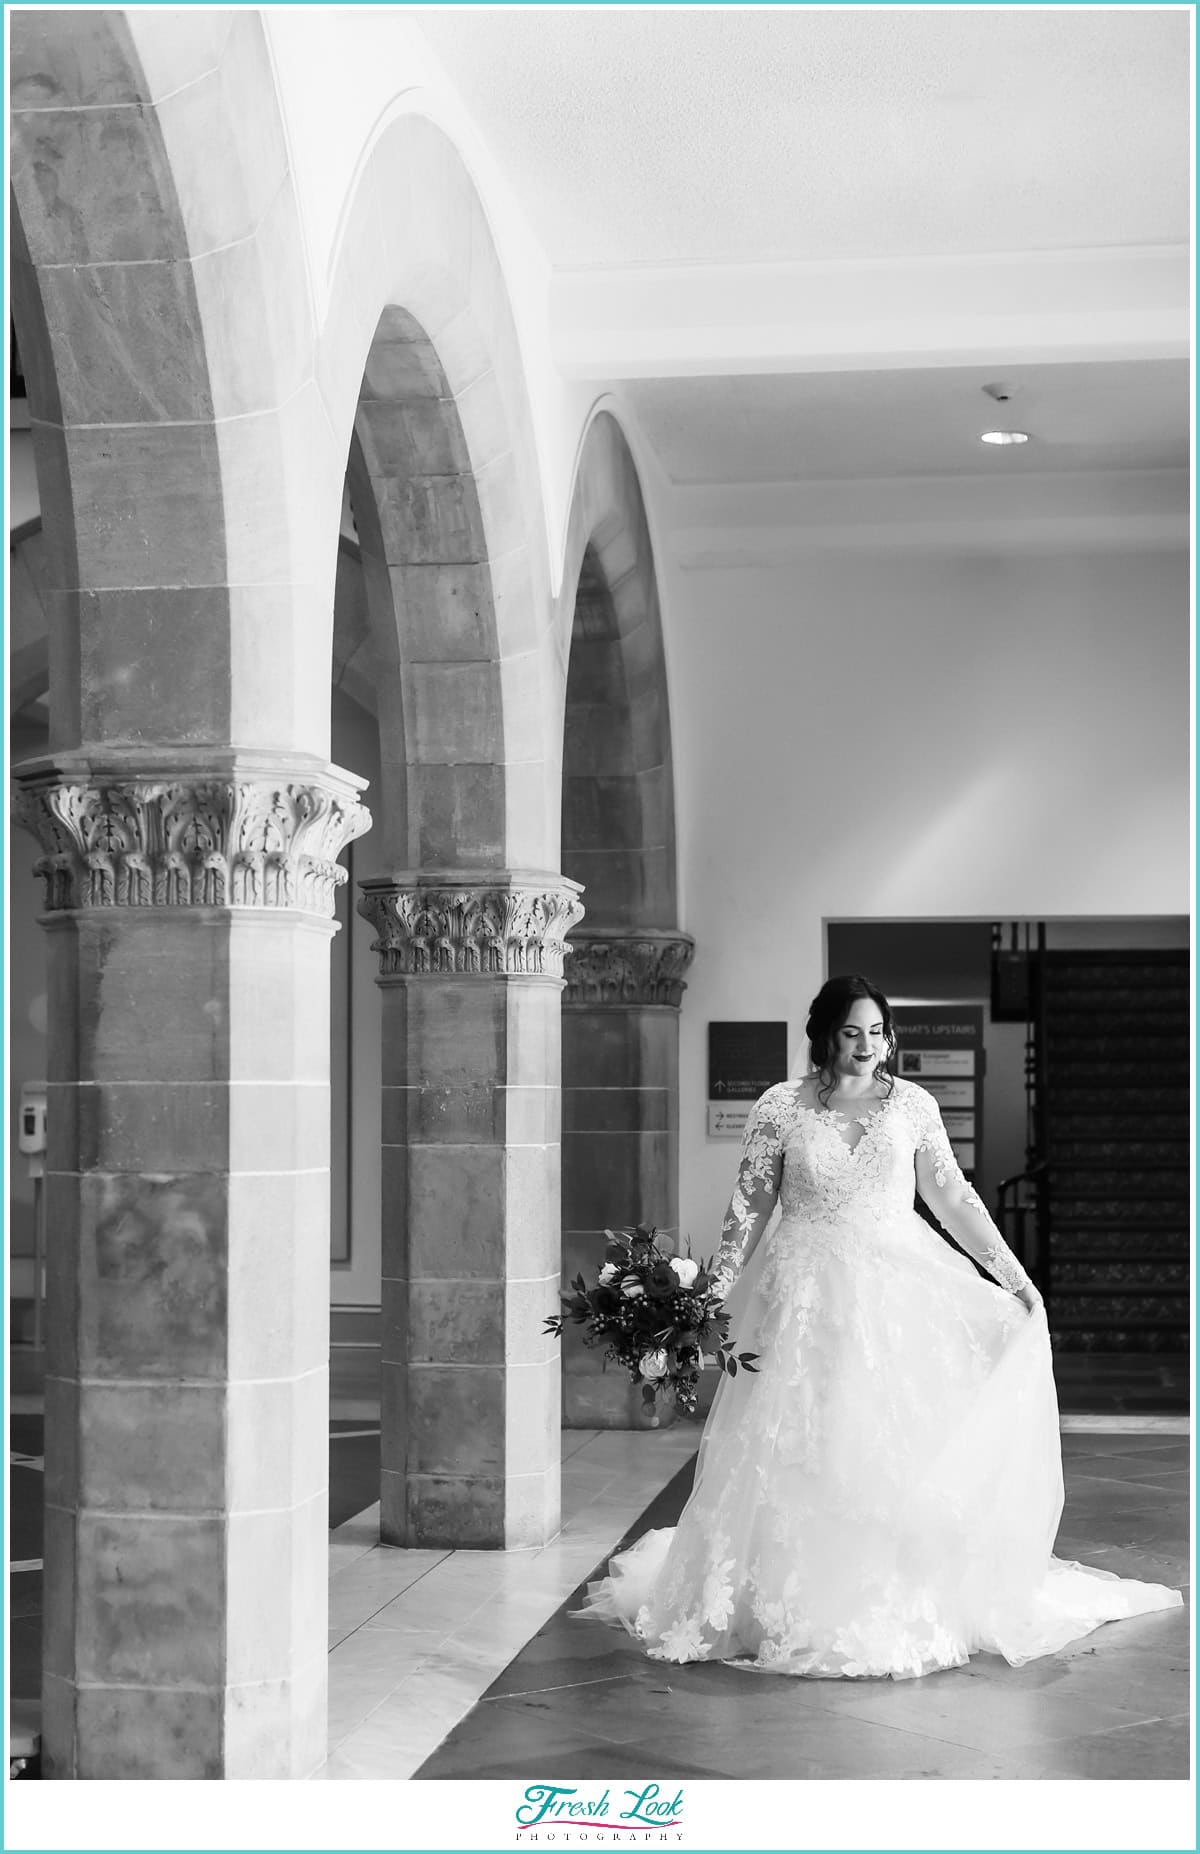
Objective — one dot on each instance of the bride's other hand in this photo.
(1029, 1296)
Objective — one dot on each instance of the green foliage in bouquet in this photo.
(657, 1314)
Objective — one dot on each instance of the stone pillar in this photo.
(188, 905)
(620, 1125)
(471, 974)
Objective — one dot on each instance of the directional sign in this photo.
(744, 1060)
(940, 1047)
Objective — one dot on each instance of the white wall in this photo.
(922, 737)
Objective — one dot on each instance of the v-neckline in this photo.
(866, 1121)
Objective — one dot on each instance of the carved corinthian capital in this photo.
(237, 835)
(486, 924)
(627, 968)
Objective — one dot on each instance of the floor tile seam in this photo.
(1116, 1480)
(1043, 1747)
(961, 1744)
(386, 1739)
(367, 1623)
(473, 1685)
(658, 1482)
(562, 1686)
(361, 1722)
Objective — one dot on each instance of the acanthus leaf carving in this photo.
(625, 969)
(184, 842)
(485, 928)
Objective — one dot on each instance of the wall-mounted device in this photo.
(31, 1141)
(32, 1131)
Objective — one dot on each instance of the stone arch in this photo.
(625, 971)
(425, 393)
(190, 824)
(161, 301)
(429, 598)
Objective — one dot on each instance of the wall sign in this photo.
(744, 1060)
(940, 1047)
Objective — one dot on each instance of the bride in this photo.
(882, 1497)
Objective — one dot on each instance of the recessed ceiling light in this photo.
(1004, 437)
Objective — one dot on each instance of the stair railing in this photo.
(1021, 1219)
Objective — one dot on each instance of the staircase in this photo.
(1113, 1059)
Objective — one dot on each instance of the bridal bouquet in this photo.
(658, 1315)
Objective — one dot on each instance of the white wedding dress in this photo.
(882, 1496)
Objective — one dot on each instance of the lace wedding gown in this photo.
(882, 1497)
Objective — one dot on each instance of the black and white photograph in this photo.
(599, 926)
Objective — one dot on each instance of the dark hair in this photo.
(826, 1015)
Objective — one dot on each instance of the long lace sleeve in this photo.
(956, 1204)
(757, 1186)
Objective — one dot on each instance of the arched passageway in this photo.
(625, 971)
(469, 908)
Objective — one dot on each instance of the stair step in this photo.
(1064, 1022)
(1093, 1071)
(1168, 1297)
(1093, 1338)
(1141, 1232)
(1115, 1152)
(1121, 1098)
(1084, 994)
(1067, 1261)
(1158, 959)
(1071, 1123)
(1115, 1180)
(1154, 1228)
(1126, 1055)
(1074, 1309)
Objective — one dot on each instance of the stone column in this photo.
(620, 1124)
(188, 904)
(471, 974)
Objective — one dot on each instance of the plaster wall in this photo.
(918, 737)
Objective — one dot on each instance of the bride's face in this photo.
(861, 1043)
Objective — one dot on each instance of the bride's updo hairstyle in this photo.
(826, 1015)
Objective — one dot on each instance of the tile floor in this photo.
(417, 1637)
(464, 1664)
(445, 1666)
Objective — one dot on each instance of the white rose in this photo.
(608, 1273)
(684, 1270)
(631, 1288)
(653, 1365)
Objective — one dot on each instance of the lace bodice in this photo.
(825, 1167)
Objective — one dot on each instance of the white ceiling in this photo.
(804, 427)
(659, 135)
(794, 242)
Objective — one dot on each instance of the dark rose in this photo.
(661, 1283)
